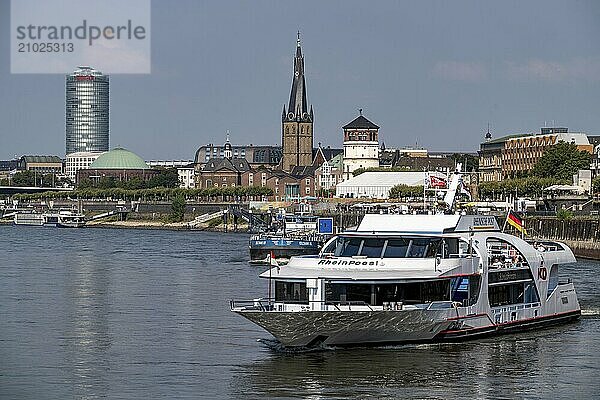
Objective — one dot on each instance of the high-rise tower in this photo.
(297, 121)
(87, 108)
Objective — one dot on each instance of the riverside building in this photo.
(511, 156)
(87, 111)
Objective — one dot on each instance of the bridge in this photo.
(10, 190)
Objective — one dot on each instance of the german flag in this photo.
(516, 221)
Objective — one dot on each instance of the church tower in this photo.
(297, 121)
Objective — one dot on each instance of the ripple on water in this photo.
(126, 313)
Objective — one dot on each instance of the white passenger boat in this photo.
(64, 219)
(68, 219)
(29, 218)
(415, 278)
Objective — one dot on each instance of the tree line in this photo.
(153, 194)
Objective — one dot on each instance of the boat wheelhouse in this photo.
(415, 278)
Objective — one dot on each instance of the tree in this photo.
(167, 178)
(177, 208)
(404, 191)
(596, 184)
(562, 161)
(24, 178)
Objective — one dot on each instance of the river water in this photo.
(124, 314)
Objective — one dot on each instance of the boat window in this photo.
(330, 248)
(552, 280)
(465, 289)
(372, 248)
(502, 295)
(417, 248)
(343, 293)
(361, 293)
(407, 293)
(349, 247)
(511, 286)
(435, 290)
(531, 295)
(396, 248)
(291, 292)
(502, 254)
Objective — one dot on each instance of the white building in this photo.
(361, 145)
(169, 163)
(187, 177)
(377, 185)
(80, 160)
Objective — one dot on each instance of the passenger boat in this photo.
(64, 219)
(29, 218)
(68, 219)
(415, 278)
(298, 235)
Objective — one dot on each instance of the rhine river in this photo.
(143, 314)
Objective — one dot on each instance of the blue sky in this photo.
(428, 72)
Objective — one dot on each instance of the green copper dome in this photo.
(119, 159)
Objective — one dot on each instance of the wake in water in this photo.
(592, 312)
(276, 346)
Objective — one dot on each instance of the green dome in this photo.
(119, 159)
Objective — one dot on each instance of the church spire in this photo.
(298, 105)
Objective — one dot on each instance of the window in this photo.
(291, 292)
(348, 247)
(372, 248)
(342, 292)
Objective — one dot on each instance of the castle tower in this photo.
(361, 145)
(297, 121)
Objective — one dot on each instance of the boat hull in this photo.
(371, 328)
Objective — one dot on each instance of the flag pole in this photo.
(505, 221)
(424, 185)
(270, 269)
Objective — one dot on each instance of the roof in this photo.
(119, 158)
(232, 164)
(385, 179)
(408, 223)
(360, 122)
(337, 161)
(41, 159)
(301, 171)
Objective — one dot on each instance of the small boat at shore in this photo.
(298, 235)
(415, 278)
(68, 219)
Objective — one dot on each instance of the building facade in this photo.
(514, 155)
(269, 156)
(329, 174)
(595, 164)
(80, 160)
(297, 120)
(41, 164)
(285, 186)
(87, 111)
(361, 145)
(187, 177)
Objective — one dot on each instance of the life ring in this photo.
(542, 273)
